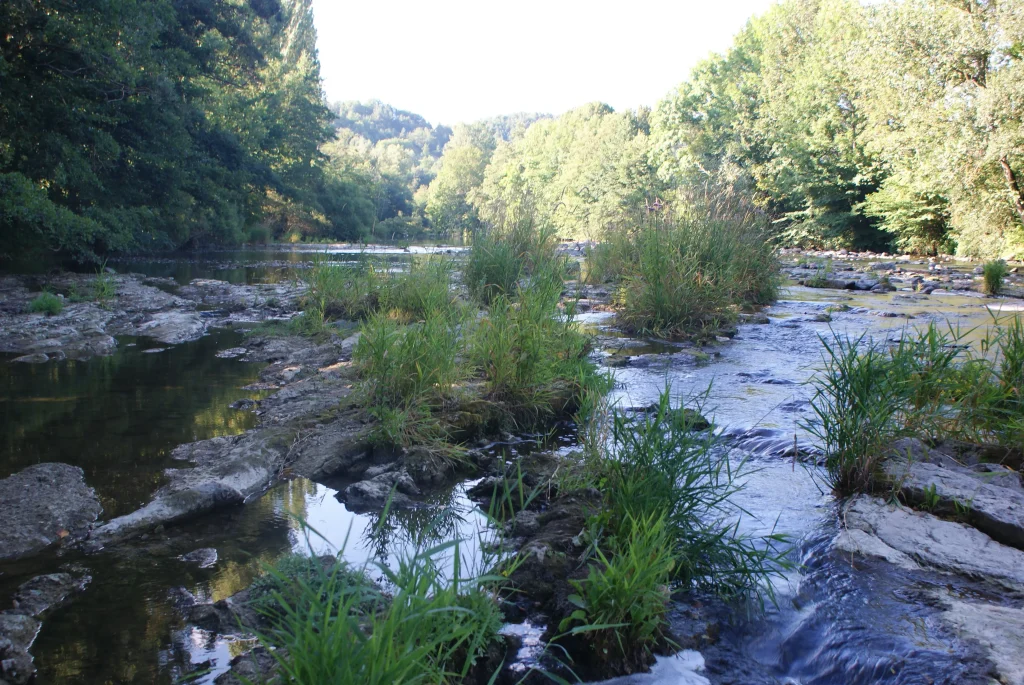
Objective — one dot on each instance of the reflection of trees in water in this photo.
(118, 417)
(439, 521)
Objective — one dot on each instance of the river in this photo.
(118, 417)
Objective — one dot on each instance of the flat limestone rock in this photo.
(174, 327)
(43, 505)
(906, 537)
(998, 629)
(993, 509)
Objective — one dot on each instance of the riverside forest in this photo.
(728, 389)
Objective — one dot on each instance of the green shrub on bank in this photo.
(689, 275)
(46, 303)
(993, 274)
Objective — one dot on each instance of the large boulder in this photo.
(44, 505)
(953, 481)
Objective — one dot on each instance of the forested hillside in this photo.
(128, 125)
(157, 124)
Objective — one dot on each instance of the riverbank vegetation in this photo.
(933, 384)
(688, 274)
(335, 625)
(432, 369)
(662, 525)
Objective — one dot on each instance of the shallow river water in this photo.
(119, 417)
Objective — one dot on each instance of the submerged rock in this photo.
(205, 557)
(44, 505)
(916, 539)
(173, 327)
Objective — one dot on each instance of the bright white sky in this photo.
(462, 60)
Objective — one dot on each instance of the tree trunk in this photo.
(1011, 181)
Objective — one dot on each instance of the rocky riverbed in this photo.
(884, 590)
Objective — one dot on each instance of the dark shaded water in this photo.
(119, 417)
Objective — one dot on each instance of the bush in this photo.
(993, 274)
(46, 303)
(689, 275)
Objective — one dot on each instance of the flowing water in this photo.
(119, 418)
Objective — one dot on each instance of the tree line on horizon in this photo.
(137, 126)
(890, 125)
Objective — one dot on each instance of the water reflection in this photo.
(119, 417)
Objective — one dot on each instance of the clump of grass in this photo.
(658, 464)
(688, 275)
(433, 629)
(501, 259)
(409, 373)
(353, 293)
(930, 385)
(104, 287)
(856, 412)
(822, 276)
(46, 303)
(533, 358)
(621, 604)
(667, 522)
(993, 274)
(287, 581)
(604, 262)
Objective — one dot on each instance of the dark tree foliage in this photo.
(154, 124)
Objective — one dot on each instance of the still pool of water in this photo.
(119, 417)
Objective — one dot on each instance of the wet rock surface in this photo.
(955, 490)
(917, 539)
(44, 505)
(20, 624)
(999, 630)
(139, 306)
(303, 431)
